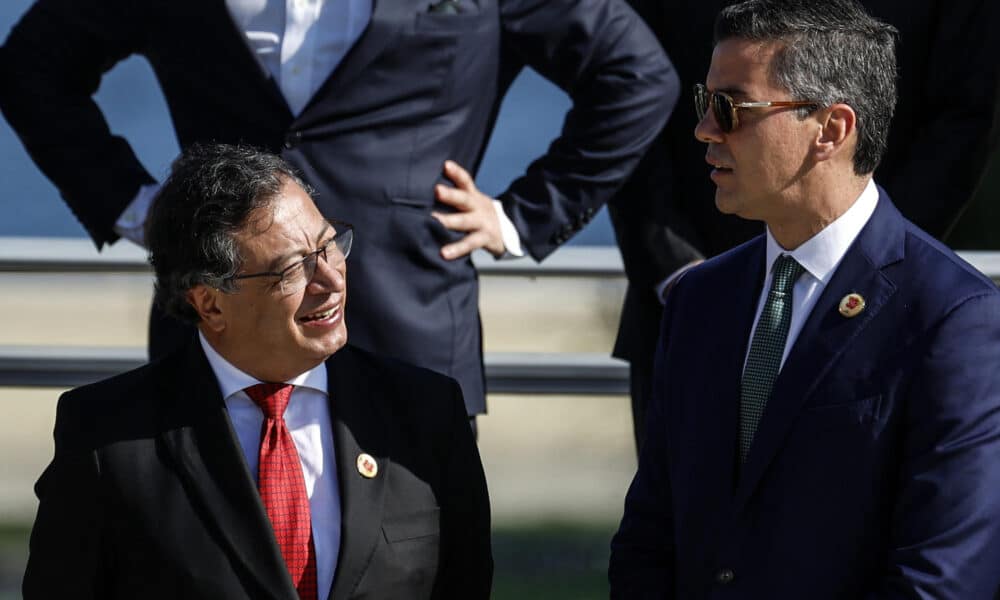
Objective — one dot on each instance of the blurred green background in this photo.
(549, 561)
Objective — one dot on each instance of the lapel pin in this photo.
(367, 465)
(851, 305)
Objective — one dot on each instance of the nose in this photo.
(707, 130)
(330, 275)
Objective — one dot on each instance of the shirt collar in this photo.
(821, 253)
(232, 380)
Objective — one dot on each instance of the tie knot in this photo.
(786, 272)
(272, 398)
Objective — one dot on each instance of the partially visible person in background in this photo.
(379, 105)
(267, 458)
(825, 419)
(942, 135)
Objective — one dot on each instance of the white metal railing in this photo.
(529, 372)
(60, 255)
(36, 254)
(506, 372)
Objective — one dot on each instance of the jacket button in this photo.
(293, 139)
(725, 576)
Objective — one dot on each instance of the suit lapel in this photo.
(199, 437)
(359, 426)
(388, 18)
(729, 351)
(236, 52)
(826, 335)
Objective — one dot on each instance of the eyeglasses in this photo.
(725, 109)
(297, 276)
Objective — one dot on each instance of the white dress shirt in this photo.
(308, 419)
(820, 256)
(300, 42)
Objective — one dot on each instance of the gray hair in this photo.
(207, 200)
(832, 51)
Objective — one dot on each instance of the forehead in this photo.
(289, 221)
(742, 68)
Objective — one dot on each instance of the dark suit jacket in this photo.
(416, 89)
(942, 135)
(874, 470)
(149, 495)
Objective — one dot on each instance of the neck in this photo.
(818, 203)
(268, 369)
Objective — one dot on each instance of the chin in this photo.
(725, 202)
(331, 342)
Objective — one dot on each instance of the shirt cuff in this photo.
(131, 225)
(511, 239)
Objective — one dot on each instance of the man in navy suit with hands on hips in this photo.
(825, 420)
(384, 106)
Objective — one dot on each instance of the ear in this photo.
(838, 124)
(205, 301)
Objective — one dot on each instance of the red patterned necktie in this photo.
(283, 489)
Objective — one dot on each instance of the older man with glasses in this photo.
(825, 421)
(267, 459)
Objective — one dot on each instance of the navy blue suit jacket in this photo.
(875, 471)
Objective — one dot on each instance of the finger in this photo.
(459, 176)
(459, 221)
(464, 246)
(454, 197)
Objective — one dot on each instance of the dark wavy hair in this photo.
(206, 201)
(832, 51)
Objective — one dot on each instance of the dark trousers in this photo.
(641, 389)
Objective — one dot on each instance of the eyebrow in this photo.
(734, 92)
(284, 258)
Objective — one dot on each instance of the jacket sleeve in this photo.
(622, 88)
(650, 249)
(51, 65)
(65, 550)
(945, 529)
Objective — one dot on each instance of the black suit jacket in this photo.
(942, 134)
(149, 496)
(419, 87)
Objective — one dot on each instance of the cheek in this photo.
(272, 321)
(781, 162)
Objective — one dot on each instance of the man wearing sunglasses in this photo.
(266, 459)
(942, 136)
(825, 421)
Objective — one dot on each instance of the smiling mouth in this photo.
(320, 316)
(718, 166)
